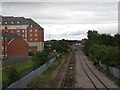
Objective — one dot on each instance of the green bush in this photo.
(103, 47)
(40, 58)
(13, 75)
(107, 54)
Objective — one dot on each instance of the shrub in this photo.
(13, 75)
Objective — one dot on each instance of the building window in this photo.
(23, 30)
(23, 27)
(23, 35)
(36, 39)
(18, 31)
(0, 22)
(18, 22)
(30, 30)
(36, 34)
(6, 31)
(30, 34)
(12, 31)
(18, 26)
(35, 30)
(12, 22)
(2, 48)
(31, 26)
(5, 22)
(31, 39)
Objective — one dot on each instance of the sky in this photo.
(67, 20)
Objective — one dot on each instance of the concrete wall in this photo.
(15, 59)
(114, 71)
(23, 82)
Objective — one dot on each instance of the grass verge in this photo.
(46, 79)
(20, 68)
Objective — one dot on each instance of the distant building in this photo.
(83, 41)
(14, 45)
(28, 29)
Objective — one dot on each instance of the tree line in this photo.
(56, 47)
(103, 47)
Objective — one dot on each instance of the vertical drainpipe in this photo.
(4, 46)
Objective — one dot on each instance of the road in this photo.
(87, 76)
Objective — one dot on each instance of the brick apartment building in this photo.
(14, 45)
(26, 28)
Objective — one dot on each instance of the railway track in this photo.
(88, 75)
(69, 78)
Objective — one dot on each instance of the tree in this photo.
(60, 46)
(106, 39)
(117, 40)
(40, 58)
(92, 34)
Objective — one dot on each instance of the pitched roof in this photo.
(9, 37)
(10, 20)
(15, 20)
(33, 23)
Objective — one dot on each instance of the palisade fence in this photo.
(114, 71)
(15, 59)
(23, 82)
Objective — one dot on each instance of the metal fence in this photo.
(114, 71)
(15, 59)
(23, 82)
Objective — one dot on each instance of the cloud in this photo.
(77, 31)
(64, 12)
(69, 20)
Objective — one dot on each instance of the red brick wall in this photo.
(40, 32)
(40, 35)
(33, 50)
(18, 47)
(14, 31)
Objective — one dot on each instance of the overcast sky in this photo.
(67, 20)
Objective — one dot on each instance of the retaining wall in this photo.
(114, 71)
(23, 82)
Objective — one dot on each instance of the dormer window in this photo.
(0, 22)
(5, 22)
(12, 22)
(31, 26)
(18, 22)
